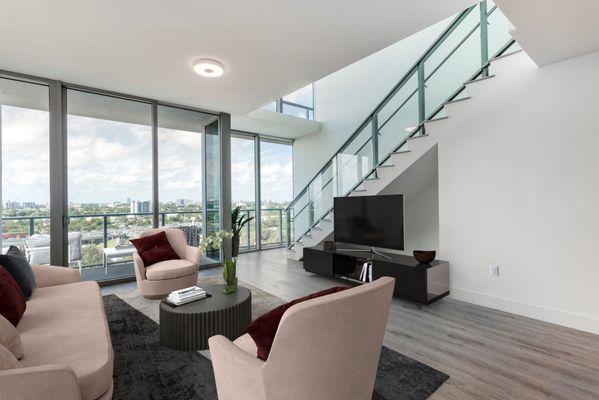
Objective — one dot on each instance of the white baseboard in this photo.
(554, 316)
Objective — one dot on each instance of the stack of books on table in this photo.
(187, 295)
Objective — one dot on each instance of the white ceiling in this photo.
(553, 30)
(147, 47)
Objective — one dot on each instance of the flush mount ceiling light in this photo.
(208, 68)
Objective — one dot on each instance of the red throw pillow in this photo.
(264, 328)
(12, 300)
(155, 248)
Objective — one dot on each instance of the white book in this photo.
(187, 295)
(187, 289)
(180, 302)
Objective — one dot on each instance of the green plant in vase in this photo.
(230, 276)
(238, 221)
(215, 241)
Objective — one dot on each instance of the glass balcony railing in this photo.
(90, 234)
(460, 54)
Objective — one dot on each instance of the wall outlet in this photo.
(494, 270)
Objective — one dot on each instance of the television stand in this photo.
(372, 251)
(422, 283)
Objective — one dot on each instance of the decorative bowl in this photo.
(424, 256)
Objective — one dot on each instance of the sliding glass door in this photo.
(181, 188)
(109, 144)
(92, 169)
(25, 168)
(243, 185)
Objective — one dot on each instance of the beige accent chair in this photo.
(64, 342)
(326, 348)
(159, 279)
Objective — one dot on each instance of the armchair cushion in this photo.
(155, 248)
(264, 328)
(170, 269)
(17, 265)
(12, 301)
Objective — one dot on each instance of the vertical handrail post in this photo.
(162, 219)
(280, 225)
(288, 227)
(421, 95)
(105, 230)
(375, 141)
(311, 215)
(484, 38)
(31, 227)
(247, 229)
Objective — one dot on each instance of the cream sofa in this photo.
(68, 353)
(327, 348)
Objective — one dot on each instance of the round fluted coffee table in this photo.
(189, 326)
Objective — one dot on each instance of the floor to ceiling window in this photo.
(243, 185)
(181, 171)
(276, 190)
(109, 145)
(262, 186)
(24, 132)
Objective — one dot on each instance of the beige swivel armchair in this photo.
(158, 280)
(326, 348)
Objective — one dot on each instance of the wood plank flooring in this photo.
(488, 354)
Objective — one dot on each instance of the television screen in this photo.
(376, 221)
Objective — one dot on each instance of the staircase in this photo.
(405, 125)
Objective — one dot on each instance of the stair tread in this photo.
(457, 100)
(483, 78)
(417, 137)
(436, 119)
(506, 54)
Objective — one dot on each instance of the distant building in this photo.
(11, 205)
(14, 205)
(137, 207)
(183, 202)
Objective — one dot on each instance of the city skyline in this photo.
(110, 161)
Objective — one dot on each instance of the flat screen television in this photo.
(376, 221)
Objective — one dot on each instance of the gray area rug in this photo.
(144, 369)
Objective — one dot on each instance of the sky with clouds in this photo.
(111, 161)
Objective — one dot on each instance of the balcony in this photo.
(93, 235)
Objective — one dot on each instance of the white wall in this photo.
(420, 186)
(519, 187)
(344, 99)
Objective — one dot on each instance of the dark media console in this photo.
(417, 282)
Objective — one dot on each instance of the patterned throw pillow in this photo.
(155, 248)
(12, 301)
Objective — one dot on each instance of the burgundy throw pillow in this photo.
(155, 248)
(264, 328)
(12, 300)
